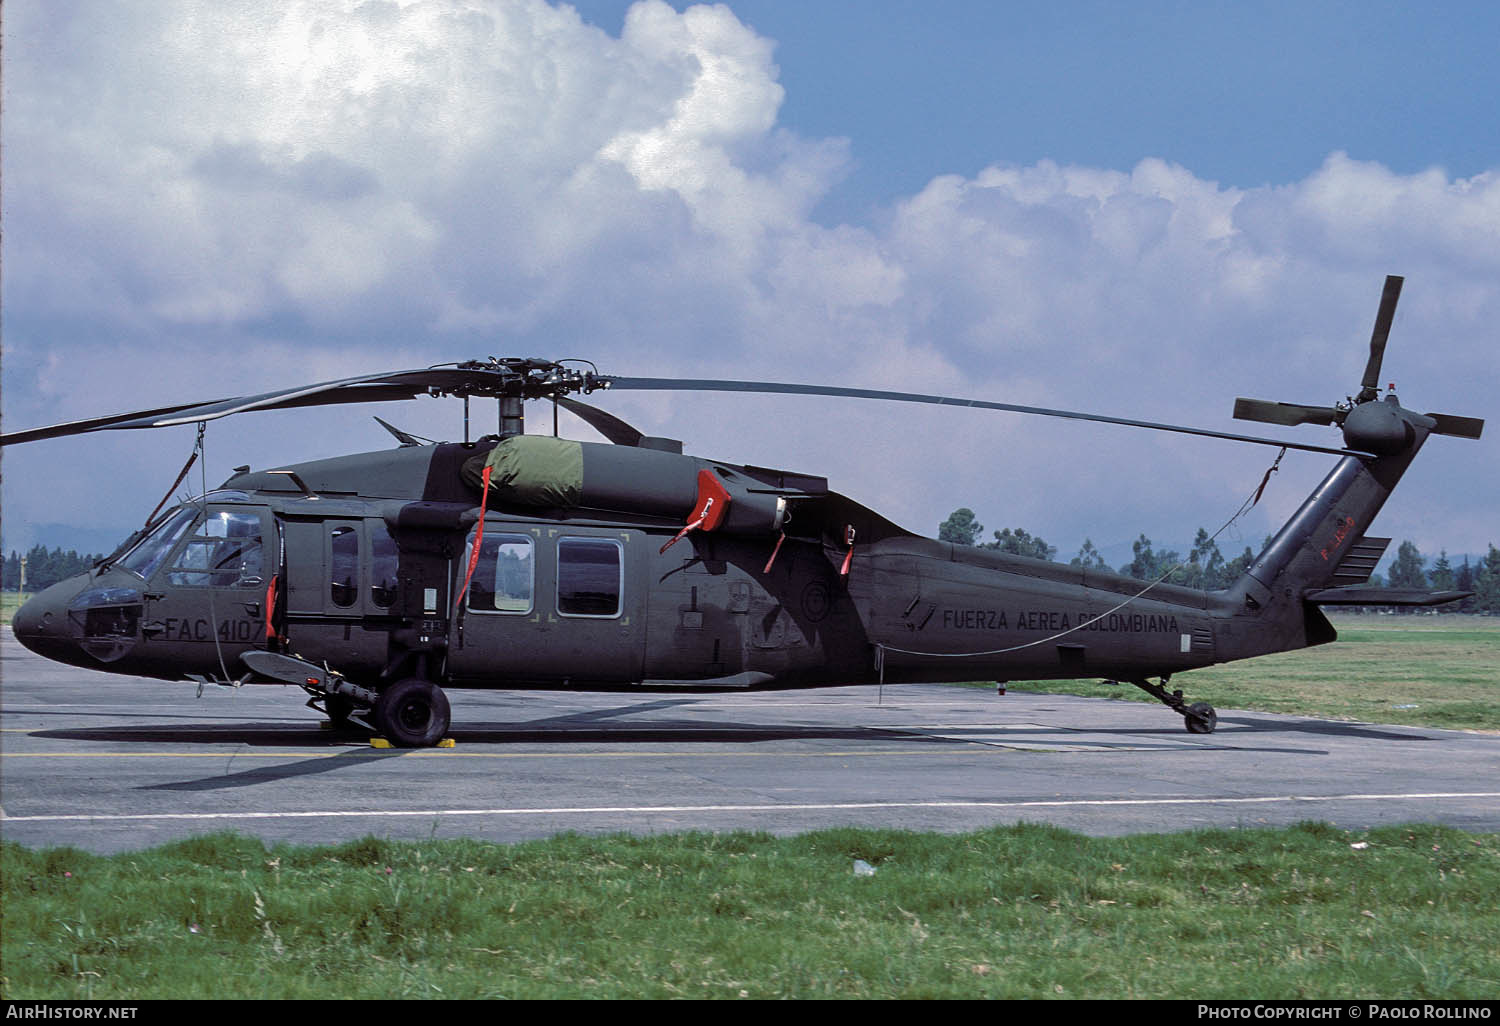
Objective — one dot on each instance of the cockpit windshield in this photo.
(221, 550)
(152, 549)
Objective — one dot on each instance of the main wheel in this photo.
(412, 713)
(1201, 718)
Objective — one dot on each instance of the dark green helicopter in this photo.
(374, 581)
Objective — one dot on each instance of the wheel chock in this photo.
(380, 742)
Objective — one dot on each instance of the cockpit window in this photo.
(223, 552)
(152, 549)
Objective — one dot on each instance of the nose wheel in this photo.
(1199, 718)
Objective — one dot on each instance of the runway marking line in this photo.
(791, 807)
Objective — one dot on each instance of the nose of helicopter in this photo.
(42, 623)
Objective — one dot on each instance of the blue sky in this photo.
(1245, 94)
(1144, 210)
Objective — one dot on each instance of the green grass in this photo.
(1014, 912)
(1434, 671)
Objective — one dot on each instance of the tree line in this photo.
(1207, 568)
(44, 567)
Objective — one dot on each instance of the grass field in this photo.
(1020, 912)
(1436, 671)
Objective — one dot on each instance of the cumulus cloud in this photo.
(210, 198)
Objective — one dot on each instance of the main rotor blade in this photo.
(388, 386)
(1286, 414)
(1383, 319)
(353, 390)
(709, 385)
(367, 388)
(78, 427)
(607, 424)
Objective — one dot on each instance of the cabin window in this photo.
(224, 551)
(343, 567)
(590, 576)
(505, 575)
(384, 562)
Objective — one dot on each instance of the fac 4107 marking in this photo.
(186, 629)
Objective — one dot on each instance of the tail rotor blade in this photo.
(1383, 319)
(1288, 414)
(1459, 427)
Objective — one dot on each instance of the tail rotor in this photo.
(1367, 426)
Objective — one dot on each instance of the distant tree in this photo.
(1441, 575)
(961, 528)
(1487, 583)
(1463, 580)
(1406, 570)
(1239, 564)
(1205, 567)
(1089, 558)
(1148, 565)
(1019, 543)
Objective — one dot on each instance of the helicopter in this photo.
(375, 581)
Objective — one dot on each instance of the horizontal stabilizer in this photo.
(1384, 597)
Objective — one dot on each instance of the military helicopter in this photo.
(375, 581)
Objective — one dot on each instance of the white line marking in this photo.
(606, 810)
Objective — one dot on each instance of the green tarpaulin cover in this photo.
(531, 470)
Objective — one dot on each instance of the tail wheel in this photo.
(412, 713)
(1201, 718)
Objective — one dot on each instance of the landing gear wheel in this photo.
(1201, 718)
(412, 713)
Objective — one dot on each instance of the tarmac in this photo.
(107, 764)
